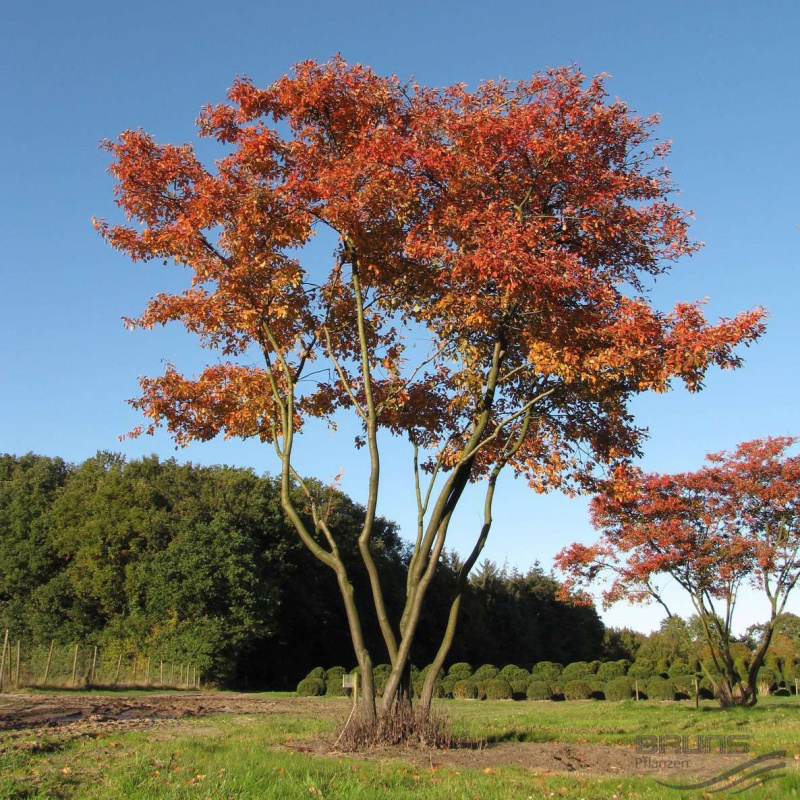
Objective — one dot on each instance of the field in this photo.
(274, 745)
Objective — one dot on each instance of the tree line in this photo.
(194, 563)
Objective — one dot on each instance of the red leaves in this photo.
(735, 520)
(514, 213)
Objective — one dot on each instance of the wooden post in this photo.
(171, 670)
(3, 659)
(74, 664)
(795, 687)
(696, 693)
(637, 689)
(17, 681)
(94, 665)
(161, 672)
(49, 659)
(147, 674)
(134, 668)
(119, 665)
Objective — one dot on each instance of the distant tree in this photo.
(619, 643)
(485, 297)
(733, 523)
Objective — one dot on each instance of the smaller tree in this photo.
(733, 523)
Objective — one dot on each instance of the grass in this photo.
(244, 757)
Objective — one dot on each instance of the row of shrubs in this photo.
(546, 681)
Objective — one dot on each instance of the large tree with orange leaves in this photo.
(733, 523)
(486, 299)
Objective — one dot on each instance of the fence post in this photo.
(696, 693)
(637, 689)
(161, 672)
(94, 664)
(17, 681)
(134, 668)
(74, 665)
(147, 674)
(49, 658)
(3, 659)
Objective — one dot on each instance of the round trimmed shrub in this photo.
(486, 672)
(317, 672)
(641, 669)
(539, 690)
(610, 670)
(334, 672)
(577, 690)
(621, 688)
(547, 670)
(766, 681)
(660, 689)
(598, 688)
(465, 690)
(480, 686)
(311, 687)
(519, 688)
(511, 672)
(782, 692)
(333, 682)
(498, 689)
(448, 684)
(678, 668)
(460, 670)
(684, 686)
(575, 671)
(594, 666)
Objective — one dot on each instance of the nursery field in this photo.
(275, 745)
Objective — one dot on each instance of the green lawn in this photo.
(240, 757)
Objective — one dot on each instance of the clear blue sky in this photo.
(723, 75)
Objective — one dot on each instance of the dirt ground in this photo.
(27, 719)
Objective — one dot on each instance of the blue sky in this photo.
(723, 75)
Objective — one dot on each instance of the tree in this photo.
(733, 523)
(485, 298)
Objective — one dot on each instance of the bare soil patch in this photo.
(60, 717)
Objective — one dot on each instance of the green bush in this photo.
(597, 686)
(621, 688)
(519, 688)
(511, 672)
(465, 690)
(486, 672)
(547, 670)
(334, 688)
(678, 668)
(575, 671)
(380, 675)
(332, 673)
(539, 690)
(577, 690)
(498, 689)
(610, 670)
(311, 687)
(460, 670)
(448, 684)
(480, 686)
(594, 666)
(317, 672)
(766, 680)
(641, 669)
(782, 692)
(660, 689)
(684, 686)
